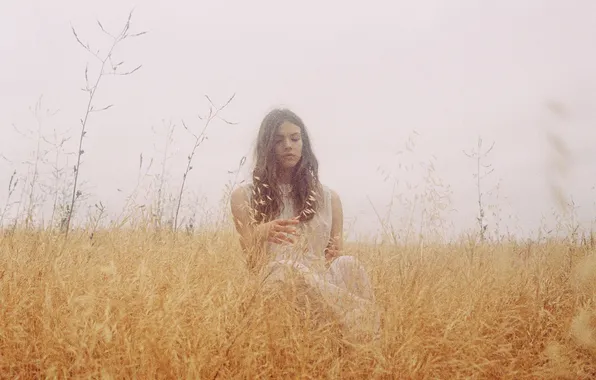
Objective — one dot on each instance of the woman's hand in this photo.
(331, 254)
(279, 231)
(332, 251)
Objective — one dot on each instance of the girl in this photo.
(289, 223)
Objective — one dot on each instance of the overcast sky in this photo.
(364, 76)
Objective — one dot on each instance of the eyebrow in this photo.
(293, 134)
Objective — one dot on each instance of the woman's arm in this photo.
(335, 245)
(253, 237)
(239, 204)
(251, 241)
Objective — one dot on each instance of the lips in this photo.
(288, 156)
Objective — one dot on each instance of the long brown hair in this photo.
(306, 188)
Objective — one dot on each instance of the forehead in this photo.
(287, 128)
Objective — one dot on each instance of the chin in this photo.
(289, 164)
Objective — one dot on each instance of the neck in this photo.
(285, 176)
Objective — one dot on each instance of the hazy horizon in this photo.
(365, 79)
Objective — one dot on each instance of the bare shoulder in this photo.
(239, 194)
(333, 196)
(329, 192)
(335, 199)
(239, 197)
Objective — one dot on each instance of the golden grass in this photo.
(133, 304)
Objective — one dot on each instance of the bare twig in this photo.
(213, 113)
(478, 155)
(12, 185)
(90, 108)
(389, 231)
(158, 217)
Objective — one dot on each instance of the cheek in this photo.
(279, 149)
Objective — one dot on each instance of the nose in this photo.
(287, 143)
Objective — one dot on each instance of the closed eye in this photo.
(295, 138)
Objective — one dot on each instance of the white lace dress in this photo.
(344, 284)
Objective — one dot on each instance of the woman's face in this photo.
(288, 145)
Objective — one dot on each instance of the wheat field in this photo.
(140, 304)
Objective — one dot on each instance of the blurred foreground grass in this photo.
(136, 304)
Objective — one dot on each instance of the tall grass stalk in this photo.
(106, 62)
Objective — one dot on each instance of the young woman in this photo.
(289, 223)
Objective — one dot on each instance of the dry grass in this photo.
(132, 304)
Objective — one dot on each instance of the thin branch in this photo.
(85, 46)
(137, 34)
(103, 30)
(76, 193)
(125, 73)
(103, 109)
(198, 141)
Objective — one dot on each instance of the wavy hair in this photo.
(306, 188)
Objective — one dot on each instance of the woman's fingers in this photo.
(281, 228)
(286, 229)
(331, 254)
(281, 238)
(288, 222)
(275, 240)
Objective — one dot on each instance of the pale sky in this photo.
(364, 76)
